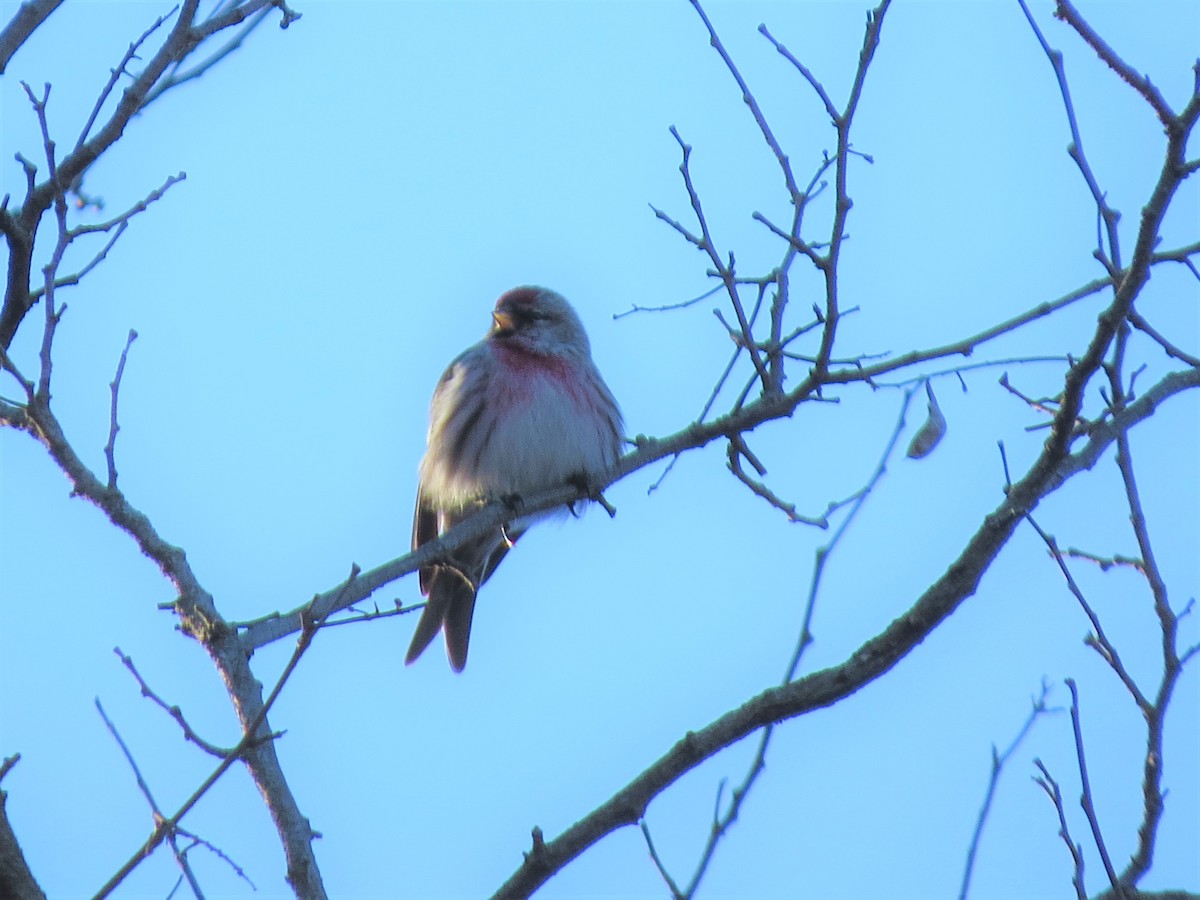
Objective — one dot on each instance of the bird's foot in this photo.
(582, 484)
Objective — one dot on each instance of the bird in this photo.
(523, 410)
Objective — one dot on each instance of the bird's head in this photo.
(539, 320)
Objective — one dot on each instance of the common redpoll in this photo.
(522, 411)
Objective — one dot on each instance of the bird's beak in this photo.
(502, 323)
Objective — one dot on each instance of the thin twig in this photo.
(818, 88)
(173, 711)
(1182, 255)
(1112, 257)
(1053, 468)
(1139, 322)
(398, 610)
(197, 841)
(52, 313)
(233, 44)
(1154, 714)
(722, 823)
(704, 241)
(738, 450)
(138, 207)
(120, 223)
(169, 832)
(750, 101)
(1098, 640)
(251, 736)
(116, 73)
(998, 762)
(1140, 83)
(635, 308)
(676, 894)
(1106, 562)
(115, 387)
(74, 279)
(7, 765)
(843, 203)
(183, 38)
(1085, 800)
(1047, 783)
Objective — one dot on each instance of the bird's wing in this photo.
(425, 529)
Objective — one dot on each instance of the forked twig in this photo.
(1047, 783)
(999, 760)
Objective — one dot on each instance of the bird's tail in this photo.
(450, 608)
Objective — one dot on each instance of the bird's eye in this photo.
(523, 318)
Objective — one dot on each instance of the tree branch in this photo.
(16, 880)
(19, 228)
(1047, 783)
(999, 760)
(25, 21)
(722, 823)
(824, 688)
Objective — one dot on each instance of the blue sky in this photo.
(360, 189)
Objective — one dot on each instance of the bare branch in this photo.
(115, 387)
(1181, 255)
(253, 736)
(174, 712)
(72, 280)
(16, 880)
(635, 308)
(197, 841)
(1089, 808)
(843, 203)
(182, 40)
(9, 414)
(50, 270)
(966, 346)
(25, 21)
(1132, 280)
(120, 223)
(724, 271)
(721, 824)
(398, 610)
(736, 452)
(970, 367)
(1098, 640)
(175, 78)
(138, 207)
(1105, 562)
(1112, 257)
(876, 657)
(1047, 783)
(1155, 715)
(116, 74)
(170, 833)
(1138, 322)
(1140, 83)
(748, 98)
(676, 894)
(998, 762)
(200, 619)
(816, 85)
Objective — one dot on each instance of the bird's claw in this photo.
(584, 486)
